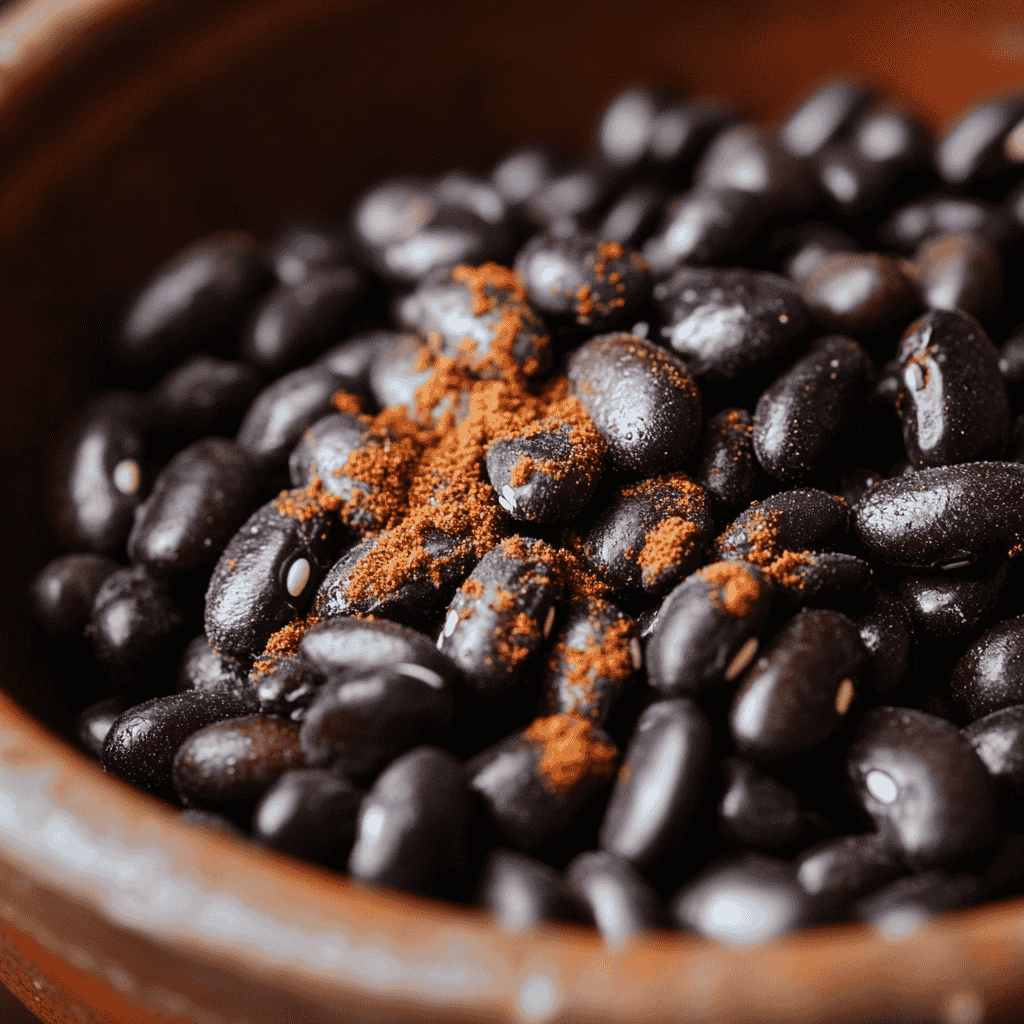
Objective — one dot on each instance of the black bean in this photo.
(523, 173)
(944, 516)
(304, 246)
(903, 905)
(626, 126)
(401, 364)
(823, 116)
(573, 198)
(707, 630)
(392, 211)
(359, 722)
(990, 673)
(758, 812)
(64, 590)
(959, 271)
(502, 614)
(352, 359)
(202, 667)
(94, 722)
(521, 892)
(888, 637)
(983, 147)
(921, 781)
(621, 901)
(632, 218)
(728, 470)
(799, 249)
(142, 742)
(196, 297)
(267, 574)
(798, 692)
(659, 784)
(953, 605)
(413, 824)
(998, 739)
(651, 536)
(838, 871)
(641, 399)
(309, 813)
(100, 475)
(1011, 361)
(467, 192)
(286, 687)
(942, 213)
(682, 130)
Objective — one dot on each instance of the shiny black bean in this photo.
(641, 399)
(594, 660)
(854, 484)
(401, 364)
(198, 501)
(798, 692)
(309, 813)
(942, 213)
(358, 723)
(998, 739)
(707, 630)
(202, 667)
(757, 811)
(800, 418)
(984, 146)
(142, 742)
(799, 249)
(303, 246)
(823, 116)
(100, 475)
(620, 900)
(413, 824)
(523, 173)
(651, 536)
(267, 574)
(830, 579)
(487, 308)
(838, 871)
(502, 614)
(681, 131)
(953, 605)
(392, 211)
(136, 625)
(743, 901)
(283, 410)
(227, 766)
(64, 590)
(944, 516)
(990, 673)
(728, 470)
(725, 322)
(659, 784)
(906, 903)
(626, 127)
(94, 722)
(549, 472)
(954, 406)
(287, 686)
(467, 192)
(1011, 361)
(521, 892)
(959, 271)
(352, 359)
(888, 637)
(633, 217)
(196, 297)
(294, 322)
(573, 198)
(928, 792)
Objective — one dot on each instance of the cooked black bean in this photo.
(401, 364)
(953, 605)
(906, 903)
(356, 724)
(468, 192)
(838, 871)
(725, 322)
(521, 891)
(998, 739)
(194, 298)
(680, 132)
(954, 406)
(707, 630)
(984, 147)
(743, 901)
(203, 397)
(621, 901)
(990, 673)
(944, 516)
(502, 614)
(549, 472)
(202, 667)
(651, 536)
(353, 358)
(942, 213)
(627, 124)
(1011, 361)
(831, 579)
(799, 249)
(573, 198)
(757, 811)
(632, 218)
(267, 574)
(486, 307)
(728, 470)
(294, 322)
(287, 686)
(413, 824)
(64, 590)
(136, 625)
(304, 246)
(862, 294)
(309, 813)
(855, 483)
(641, 399)
(927, 790)
(283, 410)
(798, 692)
(392, 211)
(100, 475)
(659, 784)
(823, 116)
(198, 501)
(800, 418)
(959, 271)
(523, 173)
(888, 637)
(92, 724)
(142, 742)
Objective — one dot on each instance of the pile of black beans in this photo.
(818, 323)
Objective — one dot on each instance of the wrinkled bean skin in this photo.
(959, 271)
(621, 901)
(521, 892)
(64, 590)
(642, 401)
(728, 469)
(921, 781)
(943, 516)
(998, 739)
(990, 674)
(953, 605)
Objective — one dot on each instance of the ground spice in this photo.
(668, 544)
(284, 643)
(569, 751)
(610, 659)
(345, 402)
(739, 590)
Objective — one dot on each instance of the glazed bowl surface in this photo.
(127, 128)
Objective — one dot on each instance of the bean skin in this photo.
(843, 869)
(941, 213)
(823, 116)
(972, 151)
(959, 271)
(64, 590)
(990, 674)
(303, 246)
(728, 467)
(622, 902)
(204, 668)
(953, 605)
(756, 811)
(521, 892)
(998, 739)
(888, 637)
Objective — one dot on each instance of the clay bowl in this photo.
(127, 127)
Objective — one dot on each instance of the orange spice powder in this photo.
(569, 751)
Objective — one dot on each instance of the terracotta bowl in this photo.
(127, 127)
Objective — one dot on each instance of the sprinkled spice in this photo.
(668, 544)
(569, 751)
(739, 592)
(611, 659)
